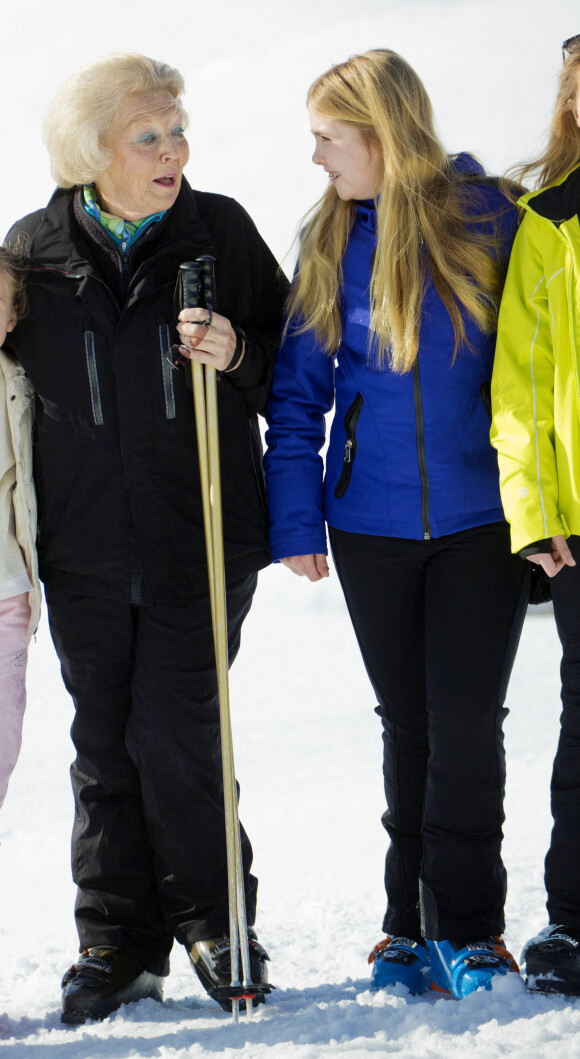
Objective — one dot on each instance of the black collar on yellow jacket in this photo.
(559, 202)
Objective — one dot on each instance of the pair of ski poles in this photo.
(197, 289)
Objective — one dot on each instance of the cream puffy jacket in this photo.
(536, 378)
(17, 496)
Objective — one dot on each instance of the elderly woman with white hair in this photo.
(121, 539)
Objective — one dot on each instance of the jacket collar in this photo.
(557, 203)
(66, 236)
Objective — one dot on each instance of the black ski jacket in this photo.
(116, 463)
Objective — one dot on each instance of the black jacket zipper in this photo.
(421, 453)
(350, 424)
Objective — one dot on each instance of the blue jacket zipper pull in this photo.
(347, 451)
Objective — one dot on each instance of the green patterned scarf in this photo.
(123, 232)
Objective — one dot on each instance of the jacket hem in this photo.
(413, 530)
(179, 590)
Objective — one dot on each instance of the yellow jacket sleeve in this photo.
(522, 389)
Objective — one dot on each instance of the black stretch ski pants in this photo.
(438, 623)
(148, 844)
(562, 873)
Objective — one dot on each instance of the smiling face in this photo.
(7, 312)
(149, 153)
(353, 163)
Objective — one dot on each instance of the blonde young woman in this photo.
(391, 320)
(536, 430)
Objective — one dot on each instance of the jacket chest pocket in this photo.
(350, 424)
(93, 376)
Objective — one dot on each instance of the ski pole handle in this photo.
(195, 288)
(207, 264)
(190, 291)
(188, 295)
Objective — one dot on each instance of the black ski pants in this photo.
(438, 623)
(562, 872)
(148, 844)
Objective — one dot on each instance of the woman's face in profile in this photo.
(353, 164)
(149, 153)
(576, 100)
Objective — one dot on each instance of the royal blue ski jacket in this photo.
(409, 455)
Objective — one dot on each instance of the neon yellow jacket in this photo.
(535, 388)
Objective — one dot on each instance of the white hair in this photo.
(81, 114)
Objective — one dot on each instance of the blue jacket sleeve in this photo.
(302, 393)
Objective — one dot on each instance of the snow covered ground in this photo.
(308, 752)
(307, 743)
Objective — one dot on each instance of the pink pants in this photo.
(14, 640)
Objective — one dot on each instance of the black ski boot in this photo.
(552, 961)
(103, 979)
(210, 960)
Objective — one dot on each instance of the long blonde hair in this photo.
(563, 149)
(423, 214)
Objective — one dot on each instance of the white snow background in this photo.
(307, 743)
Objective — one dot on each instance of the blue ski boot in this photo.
(400, 961)
(461, 967)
